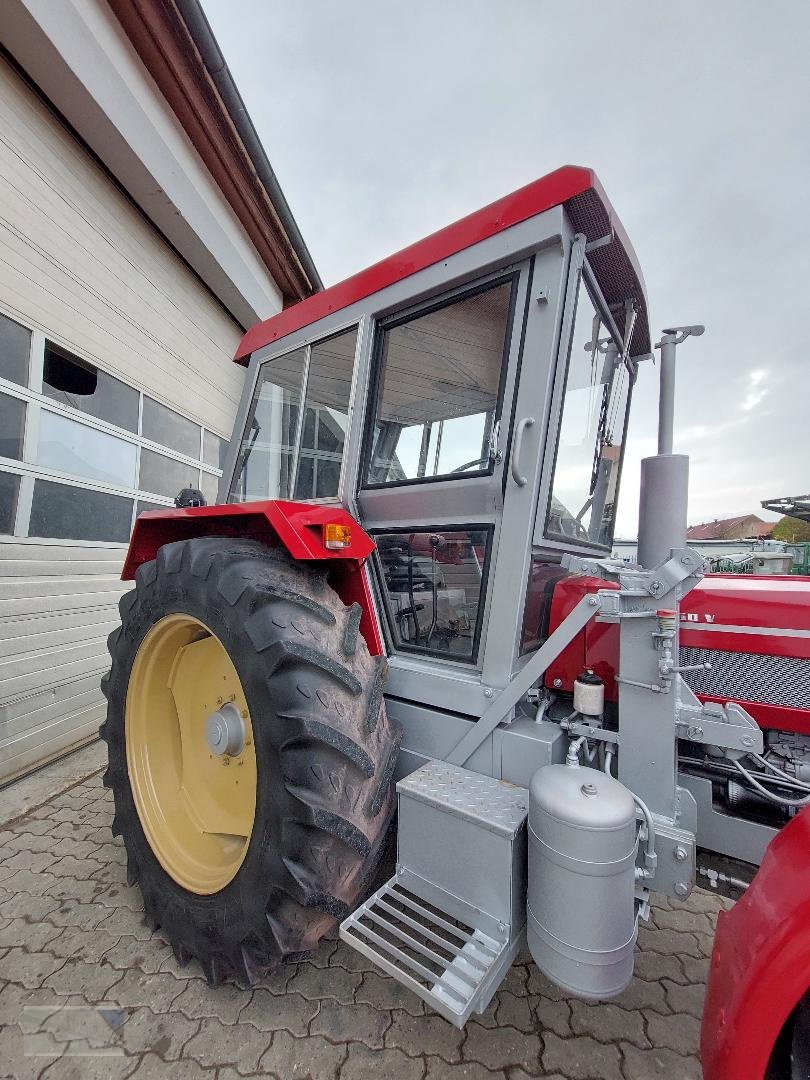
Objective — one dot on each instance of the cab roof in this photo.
(574, 187)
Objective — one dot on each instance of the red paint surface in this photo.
(295, 526)
(761, 961)
(717, 600)
(535, 198)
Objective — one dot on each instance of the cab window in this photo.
(598, 383)
(295, 435)
(439, 378)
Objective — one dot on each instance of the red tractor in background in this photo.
(405, 598)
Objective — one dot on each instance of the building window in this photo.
(15, 346)
(67, 446)
(12, 427)
(89, 457)
(65, 512)
(9, 493)
(161, 475)
(163, 425)
(214, 450)
(83, 386)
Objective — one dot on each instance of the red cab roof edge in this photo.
(552, 190)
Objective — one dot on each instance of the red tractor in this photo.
(405, 600)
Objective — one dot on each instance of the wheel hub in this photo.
(225, 731)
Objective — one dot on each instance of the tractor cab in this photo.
(466, 400)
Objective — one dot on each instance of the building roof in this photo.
(578, 189)
(745, 527)
(177, 45)
(143, 86)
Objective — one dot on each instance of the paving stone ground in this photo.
(86, 990)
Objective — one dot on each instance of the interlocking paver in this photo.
(552, 1015)
(658, 1064)
(72, 937)
(291, 1057)
(29, 969)
(679, 1032)
(282, 1012)
(685, 999)
(351, 1023)
(500, 1047)
(164, 1034)
(607, 1022)
(417, 1035)
(92, 981)
(198, 1000)
(384, 993)
(34, 936)
(316, 983)
(219, 1044)
(583, 1058)
(438, 1069)
(364, 1064)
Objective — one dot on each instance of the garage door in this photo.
(116, 389)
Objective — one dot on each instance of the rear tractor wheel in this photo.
(250, 754)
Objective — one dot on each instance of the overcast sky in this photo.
(386, 121)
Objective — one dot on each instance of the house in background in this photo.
(141, 231)
(745, 527)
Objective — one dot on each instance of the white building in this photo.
(141, 231)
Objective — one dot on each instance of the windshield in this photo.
(592, 431)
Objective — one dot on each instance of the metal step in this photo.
(453, 967)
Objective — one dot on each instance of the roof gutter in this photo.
(200, 30)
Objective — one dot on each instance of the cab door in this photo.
(436, 476)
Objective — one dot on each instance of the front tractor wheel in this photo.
(250, 754)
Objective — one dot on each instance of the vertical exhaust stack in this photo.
(664, 491)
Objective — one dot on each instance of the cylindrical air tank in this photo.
(581, 921)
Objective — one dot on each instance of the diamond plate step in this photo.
(453, 967)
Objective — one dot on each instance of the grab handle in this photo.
(526, 422)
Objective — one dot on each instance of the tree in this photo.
(792, 530)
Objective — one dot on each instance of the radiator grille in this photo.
(771, 680)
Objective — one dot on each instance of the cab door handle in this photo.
(526, 422)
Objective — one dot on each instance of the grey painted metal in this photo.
(225, 731)
(720, 831)
(581, 917)
(493, 805)
(456, 973)
(666, 395)
(477, 852)
(517, 445)
(663, 497)
(528, 675)
(451, 921)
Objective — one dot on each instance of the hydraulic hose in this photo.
(781, 800)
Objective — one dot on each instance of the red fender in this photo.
(295, 526)
(761, 961)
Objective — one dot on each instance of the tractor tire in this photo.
(244, 878)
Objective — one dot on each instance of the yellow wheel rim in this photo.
(190, 754)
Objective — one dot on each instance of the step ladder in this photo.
(451, 921)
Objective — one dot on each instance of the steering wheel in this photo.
(471, 465)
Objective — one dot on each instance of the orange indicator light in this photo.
(336, 537)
